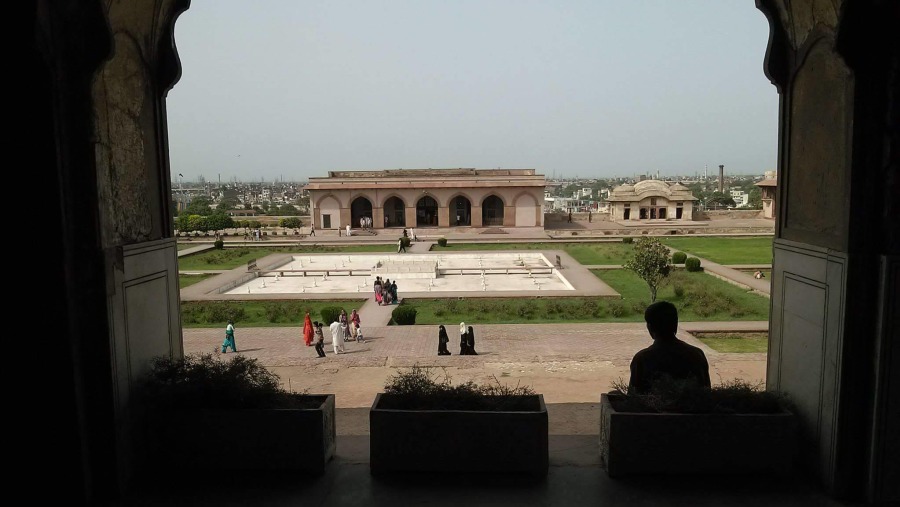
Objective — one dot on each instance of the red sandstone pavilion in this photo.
(428, 198)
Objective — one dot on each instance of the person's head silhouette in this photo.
(662, 319)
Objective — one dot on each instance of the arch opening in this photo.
(492, 211)
(394, 212)
(460, 212)
(360, 208)
(427, 212)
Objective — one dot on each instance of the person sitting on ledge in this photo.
(668, 355)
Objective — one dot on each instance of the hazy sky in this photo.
(586, 88)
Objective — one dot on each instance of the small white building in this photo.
(740, 197)
(651, 200)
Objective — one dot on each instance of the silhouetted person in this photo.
(470, 341)
(668, 355)
(443, 340)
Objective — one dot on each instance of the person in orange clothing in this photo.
(308, 330)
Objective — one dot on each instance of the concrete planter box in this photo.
(256, 439)
(641, 443)
(458, 440)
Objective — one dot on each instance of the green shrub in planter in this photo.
(678, 257)
(404, 315)
(406, 241)
(330, 314)
(627, 240)
(219, 244)
(442, 241)
(692, 264)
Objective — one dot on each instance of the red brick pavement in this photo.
(405, 345)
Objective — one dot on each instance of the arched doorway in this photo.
(359, 208)
(460, 211)
(394, 212)
(492, 211)
(426, 212)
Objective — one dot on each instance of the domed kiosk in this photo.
(651, 200)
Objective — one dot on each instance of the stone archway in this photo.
(492, 211)
(359, 208)
(460, 211)
(394, 212)
(427, 212)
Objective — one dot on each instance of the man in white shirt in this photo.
(336, 337)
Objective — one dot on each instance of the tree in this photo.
(290, 222)
(650, 262)
(755, 199)
(199, 206)
(288, 210)
(218, 221)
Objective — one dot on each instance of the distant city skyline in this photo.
(593, 89)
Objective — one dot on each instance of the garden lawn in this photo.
(185, 246)
(702, 297)
(585, 253)
(188, 280)
(256, 313)
(726, 250)
(730, 342)
(230, 258)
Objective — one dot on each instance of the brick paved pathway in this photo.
(405, 345)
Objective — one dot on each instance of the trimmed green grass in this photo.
(731, 342)
(233, 257)
(182, 246)
(256, 313)
(585, 253)
(702, 298)
(726, 250)
(188, 280)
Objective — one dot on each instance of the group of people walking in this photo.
(344, 329)
(466, 341)
(385, 291)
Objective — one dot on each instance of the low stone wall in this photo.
(728, 213)
(559, 218)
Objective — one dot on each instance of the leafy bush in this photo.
(617, 309)
(678, 257)
(668, 395)
(330, 314)
(406, 241)
(203, 381)
(692, 264)
(442, 241)
(290, 222)
(219, 244)
(627, 240)
(679, 291)
(418, 388)
(404, 315)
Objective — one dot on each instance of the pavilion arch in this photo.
(321, 201)
(427, 211)
(328, 209)
(394, 208)
(460, 209)
(526, 210)
(492, 210)
(360, 207)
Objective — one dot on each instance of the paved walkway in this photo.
(374, 315)
(196, 249)
(568, 363)
(421, 247)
